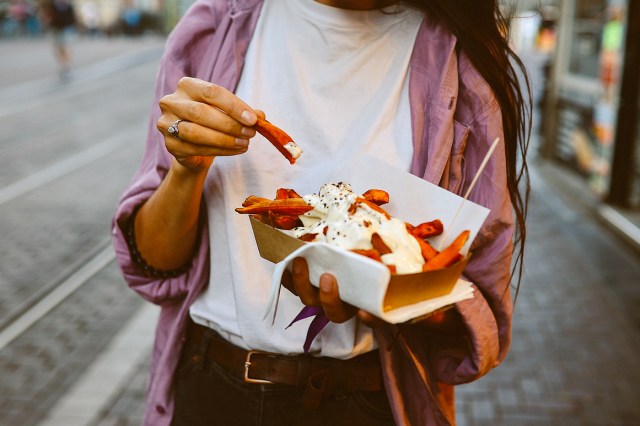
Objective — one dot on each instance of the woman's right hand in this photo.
(214, 122)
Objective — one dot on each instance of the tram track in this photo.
(21, 311)
(53, 293)
(63, 167)
(50, 294)
(47, 296)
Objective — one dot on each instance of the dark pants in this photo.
(206, 394)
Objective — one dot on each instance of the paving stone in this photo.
(128, 408)
(508, 397)
(39, 385)
(483, 408)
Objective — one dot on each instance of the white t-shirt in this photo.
(336, 81)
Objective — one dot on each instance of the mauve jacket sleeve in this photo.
(154, 167)
(487, 316)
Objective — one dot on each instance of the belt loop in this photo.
(318, 386)
(201, 354)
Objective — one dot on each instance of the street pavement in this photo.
(576, 333)
(68, 148)
(30, 61)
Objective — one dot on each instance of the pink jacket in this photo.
(455, 117)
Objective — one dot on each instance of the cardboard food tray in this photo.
(364, 282)
(401, 290)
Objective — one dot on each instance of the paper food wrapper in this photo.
(366, 283)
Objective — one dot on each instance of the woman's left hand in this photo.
(327, 296)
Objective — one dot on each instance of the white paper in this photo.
(362, 282)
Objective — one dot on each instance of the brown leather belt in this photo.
(319, 376)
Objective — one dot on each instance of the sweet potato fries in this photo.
(284, 211)
(282, 141)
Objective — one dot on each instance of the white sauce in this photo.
(353, 230)
(293, 149)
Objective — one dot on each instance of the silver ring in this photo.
(174, 131)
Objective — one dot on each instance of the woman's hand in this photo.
(327, 296)
(214, 122)
(445, 322)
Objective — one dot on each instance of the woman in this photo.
(423, 85)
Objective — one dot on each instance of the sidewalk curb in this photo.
(574, 194)
(613, 219)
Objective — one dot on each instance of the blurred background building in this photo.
(588, 110)
(20, 18)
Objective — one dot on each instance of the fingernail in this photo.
(248, 117)
(325, 285)
(242, 143)
(248, 131)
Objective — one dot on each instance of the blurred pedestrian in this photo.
(60, 17)
(424, 85)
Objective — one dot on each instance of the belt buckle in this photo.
(247, 364)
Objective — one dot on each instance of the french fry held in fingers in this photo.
(278, 138)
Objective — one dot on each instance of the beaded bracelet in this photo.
(149, 270)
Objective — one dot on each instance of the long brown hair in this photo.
(483, 34)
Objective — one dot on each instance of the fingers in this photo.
(204, 116)
(261, 114)
(287, 282)
(219, 97)
(327, 296)
(335, 309)
(303, 288)
(214, 121)
(199, 140)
